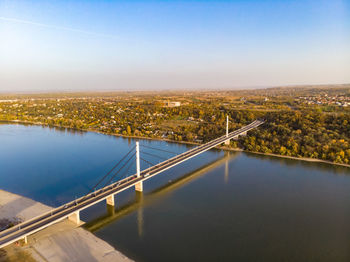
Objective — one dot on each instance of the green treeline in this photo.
(303, 134)
(297, 132)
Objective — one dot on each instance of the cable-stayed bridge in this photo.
(72, 209)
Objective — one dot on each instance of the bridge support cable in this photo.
(154, 148)
(117, 173)
(121, 177)
(153, 155)
(147, 161)
(125, 174)
(110, 199)
(110, 171)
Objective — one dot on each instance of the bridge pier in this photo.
(75, 217)
(110, 200)
(139, 186)
(25, 240)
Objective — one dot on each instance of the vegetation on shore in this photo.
(294, 127)
(15, 254)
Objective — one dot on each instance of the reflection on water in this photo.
(140, 200)
(238, 208)
(110, 210)
(219, 206)
(227, 154)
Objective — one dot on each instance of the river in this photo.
(219, 206)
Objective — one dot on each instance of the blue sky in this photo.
(136, 45)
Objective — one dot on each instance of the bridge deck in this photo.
(33, 225)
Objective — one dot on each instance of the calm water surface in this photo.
(216, 207)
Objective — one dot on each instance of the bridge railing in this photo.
(248, 127)
(63, 208)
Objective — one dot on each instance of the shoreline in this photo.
(179, 142)
(300, 158)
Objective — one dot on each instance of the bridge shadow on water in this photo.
(141, 200)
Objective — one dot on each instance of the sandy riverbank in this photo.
(63, 241)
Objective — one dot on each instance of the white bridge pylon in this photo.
(138, 186)
(227, 142)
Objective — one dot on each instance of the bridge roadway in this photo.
(40, 222)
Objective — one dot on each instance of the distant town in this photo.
(324, 99)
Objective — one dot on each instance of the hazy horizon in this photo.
(155, 45)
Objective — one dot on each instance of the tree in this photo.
(128, 130)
